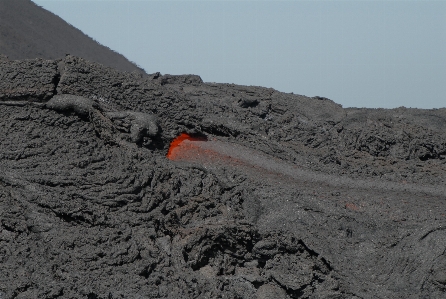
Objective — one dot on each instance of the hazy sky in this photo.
(357, 53)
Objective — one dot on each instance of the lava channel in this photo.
(201, 150)
(216, 154)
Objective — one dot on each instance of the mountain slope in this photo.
(28, 31)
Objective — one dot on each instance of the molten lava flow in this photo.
(198, 149)
(177, 148)
(217, 154)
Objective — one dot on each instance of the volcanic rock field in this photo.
(265, 194)
(127, 185)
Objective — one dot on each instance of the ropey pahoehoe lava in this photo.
(293, 197)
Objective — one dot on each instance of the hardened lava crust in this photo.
(265, 195)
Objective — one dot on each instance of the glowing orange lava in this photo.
(176, 146)
(198, 149)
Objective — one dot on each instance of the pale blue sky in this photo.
(357, 53)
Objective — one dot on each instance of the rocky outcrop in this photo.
(28, 80)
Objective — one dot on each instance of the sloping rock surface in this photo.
(28, 31)
(90, 207)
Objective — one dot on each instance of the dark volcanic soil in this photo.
(278, 196)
